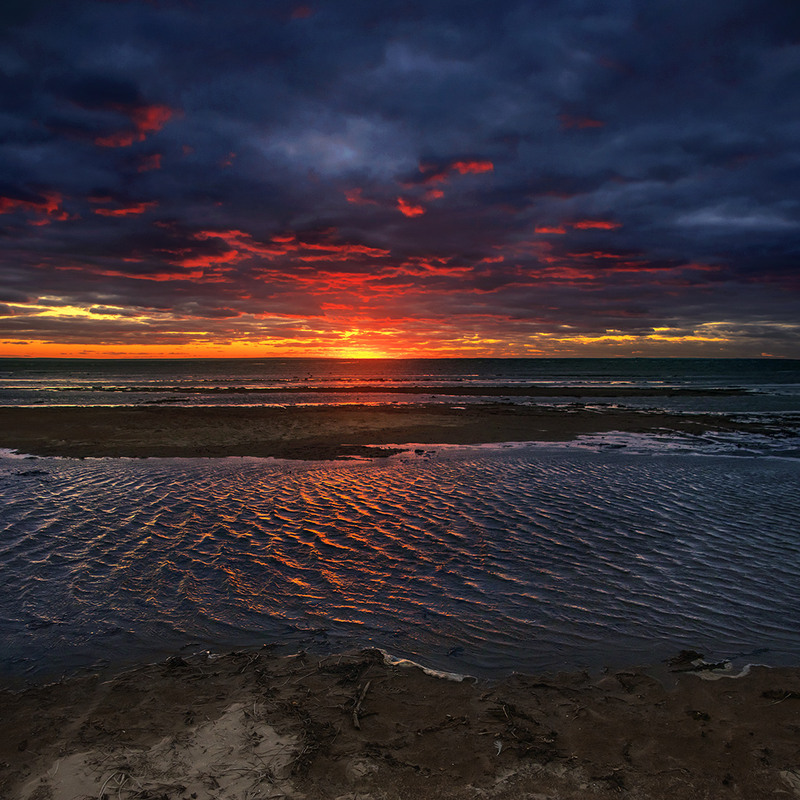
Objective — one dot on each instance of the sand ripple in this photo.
(481, 563)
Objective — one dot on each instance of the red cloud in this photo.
(208, 261)
(409, 209)
(48, 207)
(568, 121)
(601, 224)
(243, 245)
(348, 250)
(147, 163)
(356, 196)
(431, 265)
(438, 173)
(473, 166)
(433, 173)
(595, 254)
(145, 119)
(559, 229)
(151, 276)
(126, 211)
(149, 119)
(119, 139)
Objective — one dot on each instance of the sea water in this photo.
(761, 385)
(611, 550)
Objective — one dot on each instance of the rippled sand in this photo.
(485, 561)
(471, 560)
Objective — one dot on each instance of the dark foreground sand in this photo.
(317, 432)
(252, 725)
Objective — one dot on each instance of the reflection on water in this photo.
(479, 562)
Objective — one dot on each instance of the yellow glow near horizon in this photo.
(176, 338)
(359, 352)
(67, 311)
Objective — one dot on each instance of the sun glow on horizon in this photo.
(360, 353)
(114, 332)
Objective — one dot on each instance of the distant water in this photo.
(479, 560)
(768, 385)
(613, 549)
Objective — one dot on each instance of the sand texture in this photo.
(318, 432)
(251, 725)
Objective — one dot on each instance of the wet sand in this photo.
(318, 432)
(254, 725)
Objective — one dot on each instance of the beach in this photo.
(322, 432)
(557, 597)
(250, 724)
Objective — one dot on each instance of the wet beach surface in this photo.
(323, 432)
(480, 560)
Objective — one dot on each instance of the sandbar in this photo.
(320, 432)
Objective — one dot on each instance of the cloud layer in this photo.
(400, 178)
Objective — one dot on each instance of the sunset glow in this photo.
(270, 180)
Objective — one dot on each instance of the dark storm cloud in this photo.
(623, 166)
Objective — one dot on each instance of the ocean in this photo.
(610, 550)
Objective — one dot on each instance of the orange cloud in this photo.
(409, 209)
(126, 211)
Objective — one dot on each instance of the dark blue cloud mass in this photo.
(514, 178)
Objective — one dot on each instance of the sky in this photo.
(185, 178)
